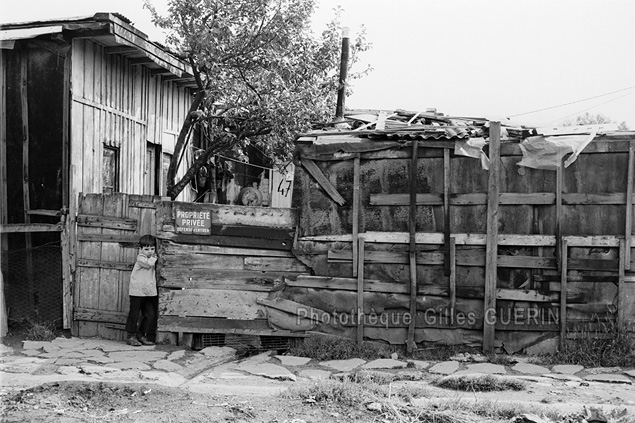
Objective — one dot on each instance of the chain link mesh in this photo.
(34, 292)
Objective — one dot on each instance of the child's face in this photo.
(147, 250)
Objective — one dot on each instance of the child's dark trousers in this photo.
(148, 309)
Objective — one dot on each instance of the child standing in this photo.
(143, 293)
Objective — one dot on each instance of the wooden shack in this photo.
(411, 241)
(87, 105)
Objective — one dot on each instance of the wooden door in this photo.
(108, 229)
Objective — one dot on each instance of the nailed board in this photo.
(207, 303)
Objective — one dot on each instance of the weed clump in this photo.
(323, 348)
(480, 383)
(602, 343)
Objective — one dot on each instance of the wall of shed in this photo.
(594, 203)
(117, 104)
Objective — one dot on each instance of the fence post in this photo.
(491, 251)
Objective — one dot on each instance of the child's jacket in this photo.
(142, 280)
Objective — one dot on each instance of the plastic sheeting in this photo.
(547, 152)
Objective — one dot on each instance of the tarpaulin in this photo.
(472, 147)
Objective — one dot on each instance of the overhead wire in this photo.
(572, 102)
(593, 107)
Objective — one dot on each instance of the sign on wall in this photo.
(193, 222)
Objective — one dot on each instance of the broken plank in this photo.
(321, 179)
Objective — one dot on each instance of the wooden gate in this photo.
(108, 230)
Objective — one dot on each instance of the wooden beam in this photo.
(120, 50)
(446, 210)
(4, 212)
(435, 238)
(326, 185)
(356, 207)
(452, 275)
(559, 214)
(360, 292)
(491, 251)
(505, 198)
(563, 293)
(628, 232)
(27, 228)
(24, 107)
(412, 226)
(67, 281)
(140, 61)
(621, 287)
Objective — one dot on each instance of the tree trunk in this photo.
(180, 142)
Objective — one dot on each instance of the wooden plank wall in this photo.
(217, 282)
(119, 105)
(527, 278)
(109, 227)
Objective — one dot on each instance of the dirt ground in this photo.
(71, 402)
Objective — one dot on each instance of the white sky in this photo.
(486, 58)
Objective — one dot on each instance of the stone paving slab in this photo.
(483, 368)
(610, 378)
(630, 373)
(445, 367)
(530, 369)
(563, 376)
(268, 370)
(385, 363)
(568, 369)
(144, 356)
(167, 365)
(130, 365)
(176, 355)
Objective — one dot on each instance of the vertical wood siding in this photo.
(122, 106)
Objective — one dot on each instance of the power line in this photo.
(572, 102)
(593, 107)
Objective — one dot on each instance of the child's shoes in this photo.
(134, 342)
(144, 341)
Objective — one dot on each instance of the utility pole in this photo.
(341, 90)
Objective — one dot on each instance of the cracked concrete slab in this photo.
(445, 367)
(568, 369)
(531, 369)
(268, 370)
(167, 365)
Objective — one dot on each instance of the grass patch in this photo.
(345, 393)
(323, 348)
(398, 405)
(480, 383)
(32, 330)
(603, 343)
